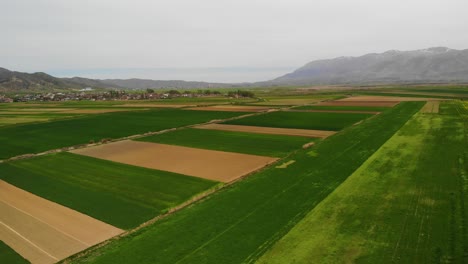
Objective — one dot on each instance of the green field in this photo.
(302, 120)
(9, 256)
(33, 138)
(249, 143)
(239, 223)
(341, 108)
(121, 195)
(405, 204)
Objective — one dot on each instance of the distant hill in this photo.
(20, 81)
(437, 64)
(11, 80)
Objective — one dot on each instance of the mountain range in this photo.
(432, 65)
(438, 64)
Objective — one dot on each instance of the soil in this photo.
(270, 130)
(43, 231)
(209, 164)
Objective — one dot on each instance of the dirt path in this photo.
(45, 232)
(269, 130)
(431, 107)
(209, 164)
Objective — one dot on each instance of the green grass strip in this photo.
(302, 120)
(342, 108)
(249, 143)
(9, 256)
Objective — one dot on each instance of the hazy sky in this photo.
(215, 40)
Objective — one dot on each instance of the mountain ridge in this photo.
(436, 64)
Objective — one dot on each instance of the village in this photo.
(148, 94)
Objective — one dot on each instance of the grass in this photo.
(342, 108)
(302, 120)
(121, 195)
(249, 143)
(405, 204)
(34, 138)
(239, 223)
(9, 256)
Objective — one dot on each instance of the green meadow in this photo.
(248, 143)
(302, 120)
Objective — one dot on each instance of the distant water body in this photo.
(224, 75)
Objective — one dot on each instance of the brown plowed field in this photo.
(209, 164)
(270, 130)
(232, 108)
(45, 232)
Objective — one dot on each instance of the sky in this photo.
(215, 40)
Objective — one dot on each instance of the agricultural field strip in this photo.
(247, 231)
(53, 230)
(407, 215)
(122, 195)
(302, 120)
(28, 131)
(381, 99)
(269, 130)
(431, 107)
(239, 108)
(334, 111)
(232, 141)
(208, 164)
(341, 108)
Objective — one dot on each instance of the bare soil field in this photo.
(209, 164)
(233, 108)
(269, 130)
(431, 107)
(45, 232)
